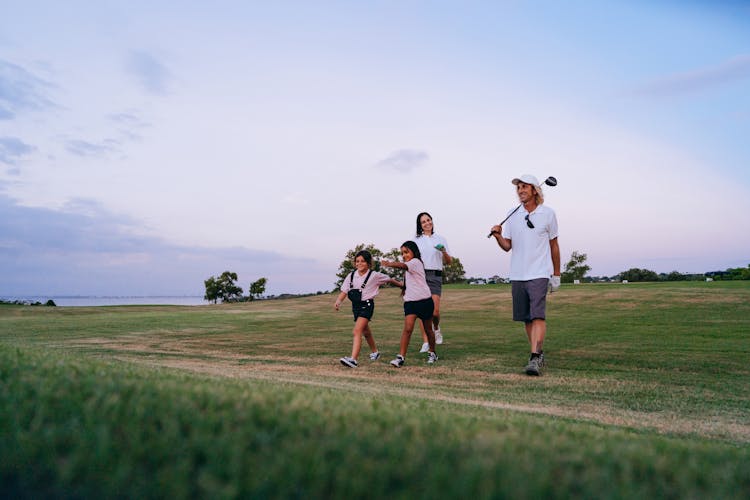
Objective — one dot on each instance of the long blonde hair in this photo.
(539, 196)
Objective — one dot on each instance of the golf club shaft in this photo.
(508, 217)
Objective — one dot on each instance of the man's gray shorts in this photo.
(529, 299)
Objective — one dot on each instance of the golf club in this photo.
(550, 181)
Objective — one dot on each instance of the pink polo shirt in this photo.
(371, 288)
(416, 284)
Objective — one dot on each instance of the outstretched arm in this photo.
(393, 263)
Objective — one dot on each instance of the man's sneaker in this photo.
(533, 367)
(425, 347)
(541, 360)
(398, 362)
(438, 336)
(374, 356)
(350, 362)
(432, 358)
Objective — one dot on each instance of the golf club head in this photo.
(550, 181)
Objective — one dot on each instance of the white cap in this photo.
(526, 179)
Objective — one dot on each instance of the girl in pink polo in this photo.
(361, 286)
(418, 301)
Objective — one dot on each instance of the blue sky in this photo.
(145, 147)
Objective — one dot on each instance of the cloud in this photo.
(83, 249)
(21, 91)
(149, 72)
(12, 149)
(129, 125)
(403, 160)
(128, 119)
(735, 69)
(80, 147)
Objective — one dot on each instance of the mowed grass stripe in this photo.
(86, 428)
(641, 371)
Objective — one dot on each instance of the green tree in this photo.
(737, 273)
(675, 276)
(635, 275)
(223, 287)
(258, 288)
(454, 272)
(212, 290)
(393, 254)
(576, 268)
(228, 286)
(347, 265)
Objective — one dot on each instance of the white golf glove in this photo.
(554, 283)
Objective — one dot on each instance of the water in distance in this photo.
(87, 301)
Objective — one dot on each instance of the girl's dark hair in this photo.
(365, 255)
(419, 226)
(414, 249)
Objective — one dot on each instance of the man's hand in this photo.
(554, 283)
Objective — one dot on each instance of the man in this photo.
(531, 231)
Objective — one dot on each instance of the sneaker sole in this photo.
(346, 363)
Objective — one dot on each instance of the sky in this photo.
(146, 146)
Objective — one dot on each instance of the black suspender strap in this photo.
(351, 280)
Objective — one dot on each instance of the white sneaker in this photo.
(425, 347)
(374, 356)
(350, 362)
(398, 362)
(432, 358)
(438, 336)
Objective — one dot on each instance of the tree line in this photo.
(452, 273)
(224, 287)
(576, 269)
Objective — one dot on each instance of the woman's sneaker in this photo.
(350, 362)
(374, 356)
(432, 358)
(398, 362)
(425, 347)
(438, 336)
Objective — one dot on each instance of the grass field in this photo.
(646, 394)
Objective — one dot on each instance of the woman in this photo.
(434, 251)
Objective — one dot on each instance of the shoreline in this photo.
(103, 300)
